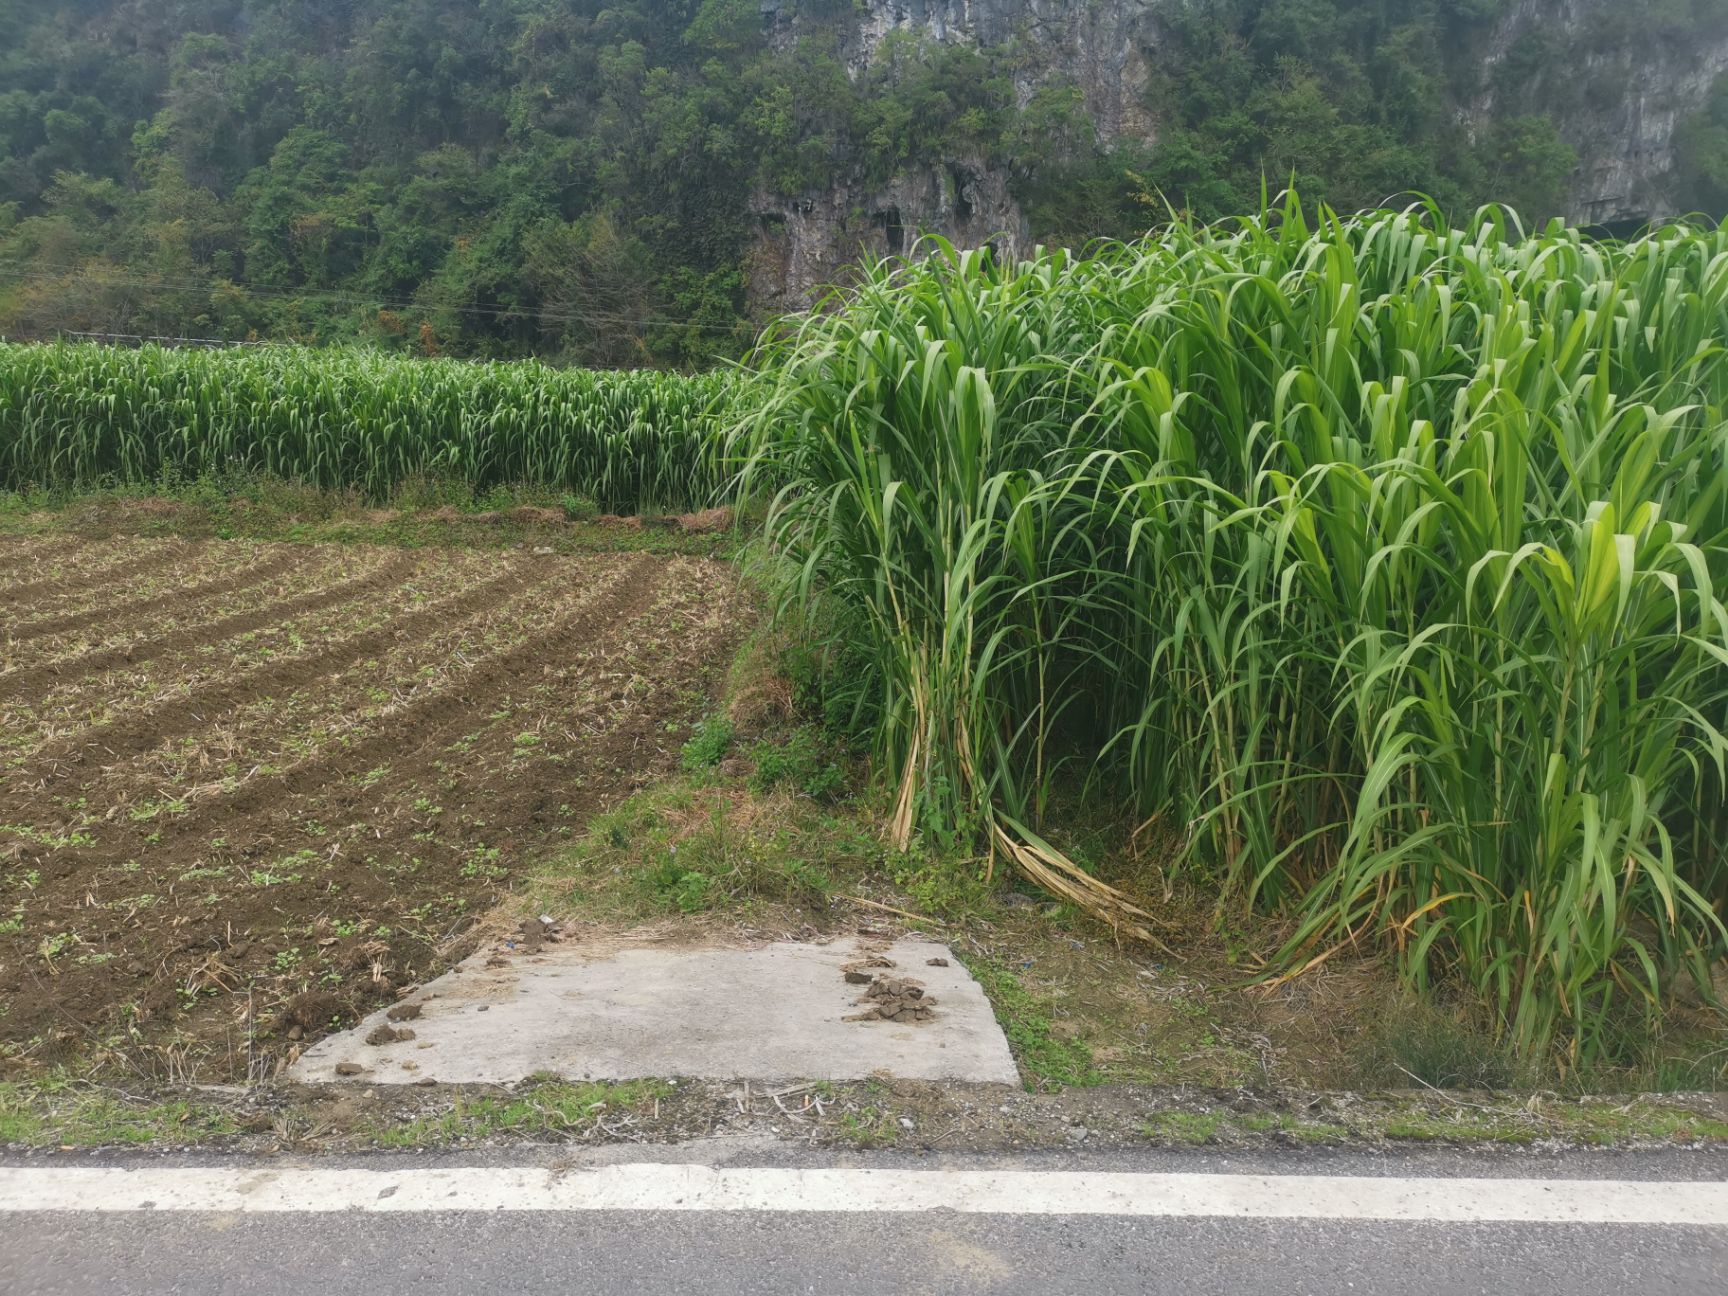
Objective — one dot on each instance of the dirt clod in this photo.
(388, 1035)
(349, 1068)
(863, 971)
(313, 1011)
(895, 999)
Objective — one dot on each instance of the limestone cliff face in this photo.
(1103, 46)
(805, 242)
(1639, 88)
(1642, 84)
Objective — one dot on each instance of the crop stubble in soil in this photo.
(213, 925)
(146, 648)
(77, 567)
(250, 574)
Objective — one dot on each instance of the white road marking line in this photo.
(654, 1187)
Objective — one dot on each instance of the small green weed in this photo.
(803, 761)
(870, 1127)
(708, 745)
(1182, 1127)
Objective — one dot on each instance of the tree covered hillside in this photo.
(574, 178)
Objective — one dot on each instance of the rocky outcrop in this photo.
(1105, 47)
(807, 241)
(1617, 102)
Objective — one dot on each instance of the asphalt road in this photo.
(747, 1235)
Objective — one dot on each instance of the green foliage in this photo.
(708, 745)
(1701, 148)
(577, 508)
(697, 846)
(722, 866)
(59, 1112)
(1696, 1072)
(1426, 1046)
(1183, 1127)
(802, 760)
(1384, 554)
(684, 889)
(81, 415)
(828, 671)
(1526, 163)
(399, 172)
(944, 888)
(582, 181)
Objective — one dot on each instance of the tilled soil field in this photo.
(248, 791)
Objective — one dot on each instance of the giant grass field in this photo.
(1381, 563)
(1377, 564)
(80, 415)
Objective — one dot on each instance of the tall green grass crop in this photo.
(80, 415)
(1382, 559)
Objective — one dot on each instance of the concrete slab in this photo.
(772, 1013)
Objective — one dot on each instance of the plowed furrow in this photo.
(432, 722)
(423, 726)
(21, 683)
(494, 790)
(120, 613)
(587, 644)
(66, 584)
(137, 732)
(19, 555)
